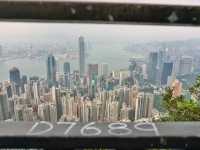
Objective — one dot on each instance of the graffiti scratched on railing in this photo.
(92, 129)
(65, 135)
(99, 129)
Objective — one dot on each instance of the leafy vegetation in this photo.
(181, 109)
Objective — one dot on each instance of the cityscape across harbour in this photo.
(83, 80)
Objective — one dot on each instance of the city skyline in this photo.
(89, 77)
(96, 93)
(38, 39)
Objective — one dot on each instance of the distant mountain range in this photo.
(181, 46)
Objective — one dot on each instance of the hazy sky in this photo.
(99, 33)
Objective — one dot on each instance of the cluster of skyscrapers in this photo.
(163, 69)
(93, 94)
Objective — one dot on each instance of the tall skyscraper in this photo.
(44, 111)
(66, 70)
(103, 69)
(36, 93)
(132, 69)
(23, 82)
(15, 80)
(162, 55)
(8, 88)
(152, 67)
(92, 74)
(56, 100)
(113, 111)
(144, 105)
(126, 114)
(66, 67)
(4, 112)
(15, 75)
(51, 70)
(92, 71)
(185, 65)
(81, 56)
(167, 71)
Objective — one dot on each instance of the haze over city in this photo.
(89, 72)
(103, 33)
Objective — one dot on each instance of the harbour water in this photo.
(114, 55)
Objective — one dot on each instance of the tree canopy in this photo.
(181, 109)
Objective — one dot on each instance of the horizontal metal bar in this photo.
(71, 135)
(153, 2)
(92, 12)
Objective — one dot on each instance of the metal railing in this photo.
(99, 12)
(72, 135)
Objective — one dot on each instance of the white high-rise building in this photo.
(43, 112)
(28, 114)
(65, 104)
(53, 112)
(47, 112)
(104, 69)
(116, 74)
(56, 99)
(126, 114)
(144, 106)
(113, 111)
(36, 93)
